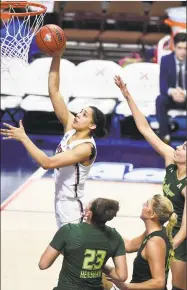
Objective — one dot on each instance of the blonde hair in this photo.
(163, 207)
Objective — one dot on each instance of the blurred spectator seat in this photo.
(158, 8)
(36, 79)
(120, 37)
(177, 22)
(163, 47)
(176, 113)
(94, 85)
(125, 11)
(152, 38)
(106, 106)
(157, 14)
(95, 79)
(143, 83)
(82, 35)
(82, 11)
(37, 104)
(12, 89)
(144, 87)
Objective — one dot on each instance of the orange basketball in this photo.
(51, 39)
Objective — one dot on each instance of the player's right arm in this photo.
(60, 108)
(120, 271)
(55, 248)
(163, 149)
(134, 244)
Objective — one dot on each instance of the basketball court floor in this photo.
(28, 225)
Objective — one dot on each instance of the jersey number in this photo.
(94, 259)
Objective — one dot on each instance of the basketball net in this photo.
(17, 32)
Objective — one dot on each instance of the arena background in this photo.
(104, 38)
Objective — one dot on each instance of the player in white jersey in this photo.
(74, 155)
(70, 181)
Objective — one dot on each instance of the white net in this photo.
(17, 33)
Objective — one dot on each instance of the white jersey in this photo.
(70, 180)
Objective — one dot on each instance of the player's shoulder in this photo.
(69, 227)
(112, 232)
(171, 167)
(71, 230)
(167, 57)
(156, 242)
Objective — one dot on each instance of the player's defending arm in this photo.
(60, 108)
(54, 249)
(143, 126)
(48, 258)
(120, 271)
(134, 244)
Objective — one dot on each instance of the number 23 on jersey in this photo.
(94, 259)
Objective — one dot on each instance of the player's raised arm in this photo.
(60, 108)
(143, 126)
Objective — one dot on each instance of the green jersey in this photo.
(86, 249)
(141, 267)
(172, 188)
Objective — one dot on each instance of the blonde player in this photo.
(154, 247)
(174, 186)
(74, 155)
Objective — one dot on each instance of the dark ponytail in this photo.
(100, 122)
(103, 210)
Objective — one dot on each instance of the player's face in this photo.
(147, 210)
(180, 51)
(88, 213)
(84, 120)
(180, 154)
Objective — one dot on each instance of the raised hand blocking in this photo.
(122, 86)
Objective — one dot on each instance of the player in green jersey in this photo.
(153, 247)
(86, 248)
(174, 186)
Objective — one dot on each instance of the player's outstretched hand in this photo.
(13, 132)
(119, 82)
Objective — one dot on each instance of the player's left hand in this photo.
(122, 86)
(13, 132)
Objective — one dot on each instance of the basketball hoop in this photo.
(18, 30)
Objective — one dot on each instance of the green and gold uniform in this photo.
(86, 249)
(141, 269)
(172, 188)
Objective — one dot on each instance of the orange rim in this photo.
(23, 4)
(174, 23)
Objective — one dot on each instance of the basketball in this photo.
(51, 39)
